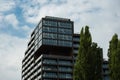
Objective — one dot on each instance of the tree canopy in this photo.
(88, 65)
(114, 58)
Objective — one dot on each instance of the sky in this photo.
(19, 17)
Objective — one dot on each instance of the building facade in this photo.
(105, 70)
(51, 51)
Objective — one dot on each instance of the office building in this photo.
(49, 53)
(51, 50)
(105, 70)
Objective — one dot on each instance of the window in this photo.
(36, 30)
(49, 23)
(40, 37)
(40, 25)
(65, 31)
(65, 25)
(36, 48)
(40, 43)
(63, 75)
(50, 61)
(65, 37)
(49, 74)
(49, 42)
(36, 42)
(40, 31)
(36, 36)
(50, 35)
(49, 29)
(65, 62)
(76, 39)
(65, 43)
(50, 67)
(61, 68)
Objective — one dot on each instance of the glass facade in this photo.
(65, 43)
(50, 74)
(41, 62)
(65, 69)
(49, 67)
(64, 25)
(49, 29)
(57, 33)
(49, 42)
(65, 75)
(64, 62)
(49, 23)
(49, 61)
(64, 31)
(50, 35)
(65, 37)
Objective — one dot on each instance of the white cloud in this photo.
(12, 19)
(102, 17)
(27, 29)
(11, 54)
(6, 5)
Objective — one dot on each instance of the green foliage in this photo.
(114, 58)
(88, 65)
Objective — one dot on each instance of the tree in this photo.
(114, 58)
(88, 64)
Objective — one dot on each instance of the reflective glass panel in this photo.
(50, 35)
(49, 42)
(65, 37)
(65, 31)
(65, 43)
(49, 23)
(49, 29)
(65, 25)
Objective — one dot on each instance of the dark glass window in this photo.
(65, 37)
(65, 24)
(64, 75)
(49, 23)
(36, 36)
(49, 42)
(40, 31)
(65, 62)
(40, 43)
(40, 25)
(49, 29)
(65, 43)
(50, 61)
(65, 31)
(50, 35)
(50, 67)
(49, 74)
(64, 69)
(36, 30)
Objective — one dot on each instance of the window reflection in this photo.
(65, 43)
(65, 25)
(65, 37)
(63, 75)
(65, 31)
(50, 35)
(49, 29)
(49, 23)
(61, 68)
(49, 74)
(49, 42)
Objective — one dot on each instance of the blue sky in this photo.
(19, 17)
